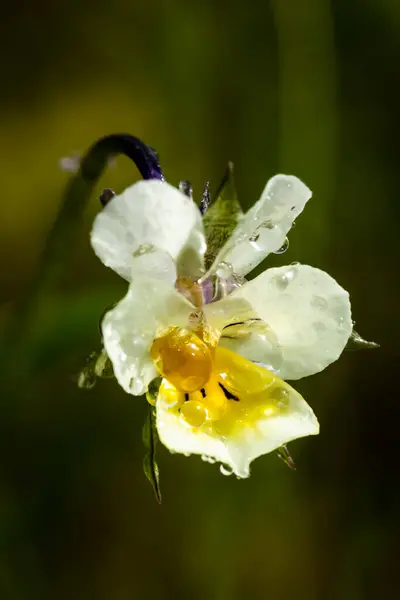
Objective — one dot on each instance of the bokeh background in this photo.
(309, 87)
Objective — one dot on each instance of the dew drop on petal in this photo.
(226, 470)
(280, 396)
(319, 302)
(143, 249)
(282, 281)
(256, 341)
(193, 413)
(319, 327)
(183, 358)
(283, 248)
(224, 270)
(208, 459)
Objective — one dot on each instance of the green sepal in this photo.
(284, 455)
(150, 438)
(356, 342)
(222, 217)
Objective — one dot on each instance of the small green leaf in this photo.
(150, 466)
(284, 455)
(356, 342)
(222, 216)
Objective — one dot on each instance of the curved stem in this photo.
(144, 157)
(80, 188)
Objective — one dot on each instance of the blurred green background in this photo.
(308, 87)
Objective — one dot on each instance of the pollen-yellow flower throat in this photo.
(211, 386)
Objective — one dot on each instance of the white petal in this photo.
(149, 213)
(309, 313)
(265, 431)
(263, 228)
(130, 327)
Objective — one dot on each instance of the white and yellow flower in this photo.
(224, 362)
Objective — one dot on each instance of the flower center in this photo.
(237, 394)
(213, 386)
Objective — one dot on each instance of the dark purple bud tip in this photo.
(98, 156)
(106, 196)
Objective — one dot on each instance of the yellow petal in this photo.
(250, 412)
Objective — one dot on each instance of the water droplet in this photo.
(319, 302)
(280, 396)
(319, 327)
(183, 358)
(256, 233)
(186, 454)
(294, 263)
(135, 384)
(281, 282)
(143, 249)
(208, 459)
(224, 270)
(226, 470)
(255, 340)
(152, 392)
(193, 413)
(267, 225)
(283, 248)
(291, 274)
